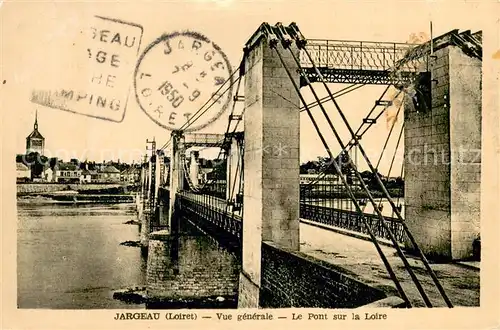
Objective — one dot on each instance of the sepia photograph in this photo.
(248, 157)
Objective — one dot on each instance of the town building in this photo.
(109, 174)
(23, 173)
(131, 175)
(35, 142)
(66, 173)
(48, 174)
(86, 176)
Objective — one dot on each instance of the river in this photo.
(70, 257)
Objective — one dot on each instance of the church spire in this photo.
(36, 120)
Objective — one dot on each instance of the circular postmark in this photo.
(179, 74)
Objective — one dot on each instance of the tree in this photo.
(36, 163)
(308, 167)
(53, 162)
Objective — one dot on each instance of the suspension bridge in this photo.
(393, 242)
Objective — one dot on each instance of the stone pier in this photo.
(188, 269)
(271, 161)
(443, 157)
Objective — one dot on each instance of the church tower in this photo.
(35, 142)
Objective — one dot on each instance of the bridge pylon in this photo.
(234, 169)
(271, 160)
(142, 205)
(176, 173)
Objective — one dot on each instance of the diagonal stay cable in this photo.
(359, 135)
(349, 190)
(391, 202)
(224, 158)
(367, 191)
(341, 92)
(388, 137)
(241, 72)
(393, 155)
(197, 113)
(351, 145)
(300, 43)
(192, 120)
(200, 111)
(373, 202)
(396, 149)
(235, 100)
(364, 127)
(378, 116)
(323, 100)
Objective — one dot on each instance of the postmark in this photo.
(183, 81)
(97, 78)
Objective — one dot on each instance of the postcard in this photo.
(233, 164)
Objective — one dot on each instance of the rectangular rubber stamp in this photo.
(99, 78)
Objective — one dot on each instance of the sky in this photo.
(34, 55)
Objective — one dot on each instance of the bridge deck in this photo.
(359, 257)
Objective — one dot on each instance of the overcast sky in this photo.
(34, 36)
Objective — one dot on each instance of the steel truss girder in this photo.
(349, 76)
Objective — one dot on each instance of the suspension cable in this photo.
(393, 156)
(300, 43)
(337, 169)
(396, 148)
(190, 121)
(358, 134)
(226, 134)
(338, 93)
(204, 111)
(386, 193)
(388, 137)
(370, 197)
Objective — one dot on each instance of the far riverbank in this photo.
(30, 189)
(75, 199)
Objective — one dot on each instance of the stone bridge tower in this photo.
(271, 158)
(443, 151)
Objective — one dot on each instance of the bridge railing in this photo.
(324, 199)
(361, 55)
(210, 211)
(325, 202)
(352, 221)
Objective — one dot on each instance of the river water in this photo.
(70, 257)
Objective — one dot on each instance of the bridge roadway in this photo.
(359, 259)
